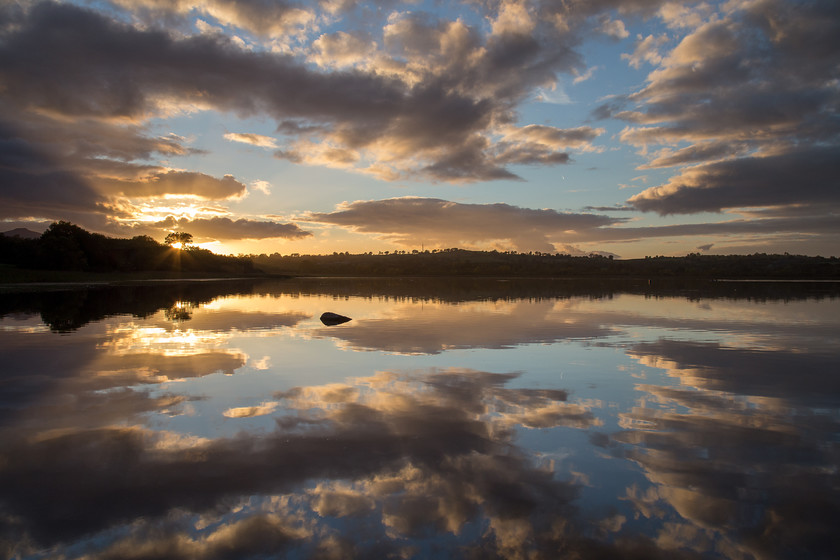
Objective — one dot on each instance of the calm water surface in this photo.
(448, 419)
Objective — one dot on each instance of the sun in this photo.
(177, 245)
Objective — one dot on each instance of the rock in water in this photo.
(329, 318)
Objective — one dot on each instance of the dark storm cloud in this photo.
(226, 228)
(760, 81)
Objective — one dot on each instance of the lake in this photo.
(450, 418)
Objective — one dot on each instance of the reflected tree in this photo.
(181, 311)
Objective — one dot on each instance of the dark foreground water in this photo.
(448, 419)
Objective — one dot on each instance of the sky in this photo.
(624, 127)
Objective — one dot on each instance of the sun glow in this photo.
(129, 339)
(175, 206)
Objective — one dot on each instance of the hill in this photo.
(22, 233)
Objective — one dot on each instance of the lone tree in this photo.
(179, 238)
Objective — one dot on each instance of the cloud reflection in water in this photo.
(745, 450)
(431, 451)
(727, 447)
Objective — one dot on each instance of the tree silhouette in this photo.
(181, 237)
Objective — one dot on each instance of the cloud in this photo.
(699, 152)
(743, 95)
(413, 123)
(810, 223)
(613, 27)
(553, 138)
(226, 228)
(261, 186)
(34, 186)
(175, 183)
(677, 15)
(586, 75)
(251, 411)
(343, 49)
(793, 178)
(647, 50)
(412, 221)
(268, 19)
(253, 139)
(410, 95)
(540, 144)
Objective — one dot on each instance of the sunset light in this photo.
(420, 279)
(623, 128)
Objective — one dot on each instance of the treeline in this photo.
(65, 246)
(459, 262)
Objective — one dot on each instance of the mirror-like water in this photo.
(447, 419)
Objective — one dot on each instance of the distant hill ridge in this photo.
(23, 233)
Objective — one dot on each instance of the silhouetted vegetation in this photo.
(181, 237)
(65, 246)
(459, 262)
